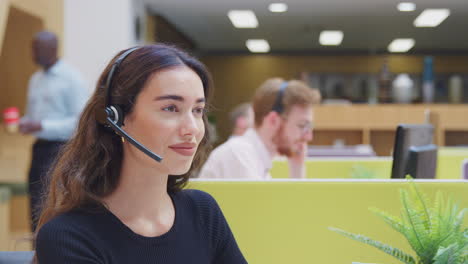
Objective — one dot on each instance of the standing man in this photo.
(283, 126)
(56, 96)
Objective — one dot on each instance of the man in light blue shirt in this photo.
(56, 97)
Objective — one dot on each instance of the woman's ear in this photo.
(127, 118)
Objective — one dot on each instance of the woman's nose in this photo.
(189, 125)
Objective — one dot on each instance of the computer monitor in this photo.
(414, 153)
(422, 162)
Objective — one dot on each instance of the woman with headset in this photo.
(116, 193)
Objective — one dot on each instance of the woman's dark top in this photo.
(200, 234)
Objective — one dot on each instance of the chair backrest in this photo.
(16, 257)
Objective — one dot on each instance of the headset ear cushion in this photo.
(114, 112)
(101, 116)
(118, 116)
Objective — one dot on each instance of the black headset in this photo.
(113, 116)
(278, 106)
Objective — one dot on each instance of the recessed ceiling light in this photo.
(431, 17)
(243, 18)
(331, 37)
(406, 6)
(278, 7)
(257, 45)
(401, 45)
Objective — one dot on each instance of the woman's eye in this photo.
(199, 110)
(171, 108)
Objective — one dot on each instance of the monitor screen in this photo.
(412, 149)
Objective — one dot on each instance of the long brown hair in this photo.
(88, 167)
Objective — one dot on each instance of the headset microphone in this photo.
(135, 143)
(113, 116)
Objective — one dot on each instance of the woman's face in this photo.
(167, 118)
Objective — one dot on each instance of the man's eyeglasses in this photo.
(305, 127)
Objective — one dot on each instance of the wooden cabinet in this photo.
(376, 124)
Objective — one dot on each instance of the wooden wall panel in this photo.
(236, 77)
(16, 63)
(328, 137)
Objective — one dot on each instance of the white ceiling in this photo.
(368, 25)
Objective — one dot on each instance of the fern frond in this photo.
(421, 202)
(459, 219)
(395, 222)
(451, 223)
(394, 252)
(449, 212)
(448, 255)
(435, 233)
(415, 228)
(459, 235)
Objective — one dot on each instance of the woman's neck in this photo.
(141, 200)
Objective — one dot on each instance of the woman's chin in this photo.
(181, 168)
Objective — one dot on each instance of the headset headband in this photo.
(278, 106)
(111, 74)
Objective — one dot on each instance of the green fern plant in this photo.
(435, 233)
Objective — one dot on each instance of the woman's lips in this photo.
(185, 149)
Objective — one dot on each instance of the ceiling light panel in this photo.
(401, 45)
(331, 37)
(243, 18)
(406, 6)
(278, 7)
(257, 45)
(431, 17)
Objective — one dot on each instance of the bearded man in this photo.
(283, 126)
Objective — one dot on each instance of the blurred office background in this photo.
(358, 67)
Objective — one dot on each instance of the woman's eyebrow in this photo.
(169, 97)
(177, 98)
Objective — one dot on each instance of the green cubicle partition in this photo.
(286, 221)
(449, 166)
(450, 161)
(344, 168)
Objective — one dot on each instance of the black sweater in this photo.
(200, 234)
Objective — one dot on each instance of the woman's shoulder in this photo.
(199, 202)
(74, 223)
(69, 236)
(198, 197)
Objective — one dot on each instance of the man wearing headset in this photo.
(283, 126)
(56, 96)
